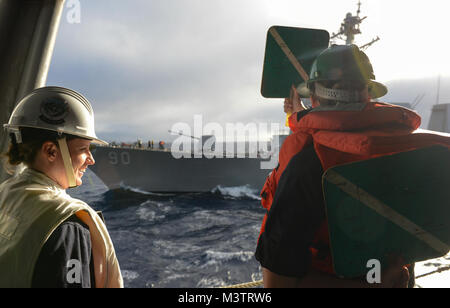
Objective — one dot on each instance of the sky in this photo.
(148, 65)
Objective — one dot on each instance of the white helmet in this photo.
(56, 109)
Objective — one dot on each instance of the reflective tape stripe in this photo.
(289, 54)
(385, 211)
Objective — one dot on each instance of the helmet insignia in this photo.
(54, 110)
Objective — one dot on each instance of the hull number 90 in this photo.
(116, 158)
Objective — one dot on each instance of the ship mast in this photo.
(350, 28)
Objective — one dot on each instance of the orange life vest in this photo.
(344, 136)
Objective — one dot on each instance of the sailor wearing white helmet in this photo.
(47, 238)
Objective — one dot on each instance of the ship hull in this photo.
(159, 171)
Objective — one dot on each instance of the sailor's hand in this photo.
(293, 103)
(294, 97)
(396, 275)
(288, 106)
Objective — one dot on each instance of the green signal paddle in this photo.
(289, 55)
(392, 205)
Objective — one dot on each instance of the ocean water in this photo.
(193, 240)
(185, 240)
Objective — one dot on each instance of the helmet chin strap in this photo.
(67, 162)
(346, 96)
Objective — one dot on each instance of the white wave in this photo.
(141, 191)
(218, 257)
(148, 214)
(257, 276)
(175, 276)
(134, 189)
(237, 192)
(210, 283)
(129, 275)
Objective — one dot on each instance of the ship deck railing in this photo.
(259, 155)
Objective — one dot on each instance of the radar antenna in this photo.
(350, 28)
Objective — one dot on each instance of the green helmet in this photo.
(343, 63)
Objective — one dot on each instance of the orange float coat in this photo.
(343, 136)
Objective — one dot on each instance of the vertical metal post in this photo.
(28, 31)
(438, 89)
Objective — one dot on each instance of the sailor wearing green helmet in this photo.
(47, 238)
(345, 125)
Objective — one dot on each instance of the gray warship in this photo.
(159, 170)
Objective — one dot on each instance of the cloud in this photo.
(152, 64)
